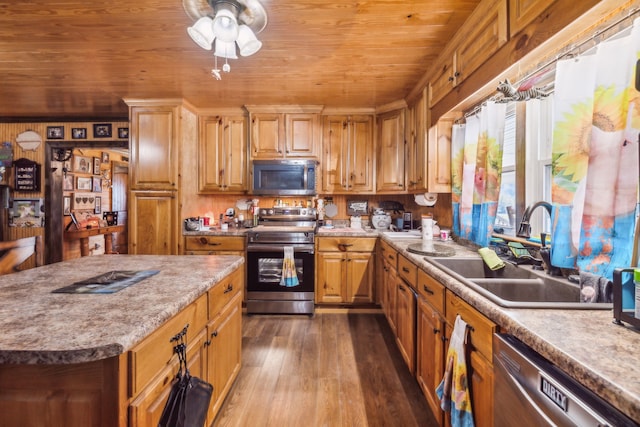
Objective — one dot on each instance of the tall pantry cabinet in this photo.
(156, 131)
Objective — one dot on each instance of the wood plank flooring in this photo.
(330, 370)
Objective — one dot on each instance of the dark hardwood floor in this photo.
(330, 370)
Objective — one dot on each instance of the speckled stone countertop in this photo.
(586, 344)
(215, 231)
(41, 327)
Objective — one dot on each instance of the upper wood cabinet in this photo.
(477, 40)
(439, 156)
(347, 157)
(154, 133)
(522, 12)
(222, 154)
(416, 152)
(277, 133)
(391, 152)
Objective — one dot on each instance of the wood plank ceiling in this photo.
(70, 59)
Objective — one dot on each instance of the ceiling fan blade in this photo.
(196, 9)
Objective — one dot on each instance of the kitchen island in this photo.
(104, 359)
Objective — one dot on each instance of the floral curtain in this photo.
(477, 169)
(595, 157)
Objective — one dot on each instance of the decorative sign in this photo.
(27, 175)
(357, 207)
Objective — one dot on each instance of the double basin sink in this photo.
(516, 286)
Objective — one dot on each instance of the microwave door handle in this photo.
(304, 178)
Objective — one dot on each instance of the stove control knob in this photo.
(270, 211)
(263, 212)
(303, 212)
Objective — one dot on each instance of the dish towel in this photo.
(594, 288)
(491, 259)
(289, 276)
(453, 390)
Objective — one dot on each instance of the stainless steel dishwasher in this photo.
(531, 391)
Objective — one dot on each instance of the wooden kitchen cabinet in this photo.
(482, 34)
(279, 132)
(406, 311)
(390, 164)
(480, 361)
(416, 148)
(345, 270)
(389, 258)
(215, 245)
(222, 154)
(522, 12)
(153, 223)
(347, 157)
(431, 348)
(439, 156)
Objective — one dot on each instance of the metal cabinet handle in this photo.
(405, 269)
(229, 289)
(214, 334)
(427, 290)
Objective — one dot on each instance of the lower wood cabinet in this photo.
(213, 352)
(345, 270)
(406, 311)
(153, 223)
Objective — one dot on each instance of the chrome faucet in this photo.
(524, 230)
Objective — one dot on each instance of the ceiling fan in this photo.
(225, 24)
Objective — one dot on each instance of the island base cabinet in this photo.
(77, 395)
(430, 355)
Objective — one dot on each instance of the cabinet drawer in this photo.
(224, 291)
(407, 270)
(155, 352)
(215, 243)
(389, 254)
(346, 244)
(431, 290)
(481, 329)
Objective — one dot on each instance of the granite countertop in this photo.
(41, 327)
(216, 231)
(586, 344)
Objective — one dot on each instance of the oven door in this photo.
(264, 272)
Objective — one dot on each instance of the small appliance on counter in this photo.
(380, 219)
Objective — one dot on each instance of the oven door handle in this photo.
(279, 248)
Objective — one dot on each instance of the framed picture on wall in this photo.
(83, 183)
(96, 165)
(55, 132)
(102, 130)
(97, 185)
(98, 206)
(82, 164)
(79, 133)
(123, 133)
(66, 205)
(67, 182)
(105, 157)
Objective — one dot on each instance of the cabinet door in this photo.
(330, 277)
(235, 154)
(266, 130)
(390, 162)
(481, 389)
(482, 35)
(211, 157)
(391, 283)
(334, 153)
(430, 354)
(406, 323)
(224, 355)
(439, 157)
(360, 277)
(145, 410)
(360, 160)
(443, 80)
(417, 145)
(152, 223)
(522, 12)
(154, 141)
(302, 138)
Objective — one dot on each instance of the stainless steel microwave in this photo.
(284, 177)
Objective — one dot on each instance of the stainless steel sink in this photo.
(516, 286)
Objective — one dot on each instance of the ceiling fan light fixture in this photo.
(225, 49)
(247, 41)
(202, 32)
(225, 25)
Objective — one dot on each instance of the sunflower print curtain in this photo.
(595, 157)
(476, 173)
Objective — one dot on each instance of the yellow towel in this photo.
(491, 259)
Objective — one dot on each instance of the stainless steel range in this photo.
(279, 228)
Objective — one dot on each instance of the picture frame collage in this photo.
(100, 130)
(83, 187)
